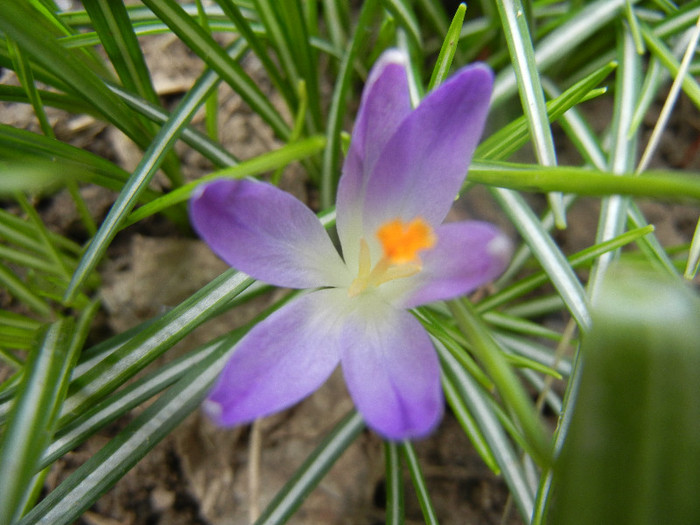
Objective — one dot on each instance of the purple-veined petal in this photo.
(385, 104)
(281, 360)
(467, 255)
(421, 169)
(266, 233)
(391, 370)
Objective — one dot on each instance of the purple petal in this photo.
(385, 104)
(266, 233)
(467, 255)
(391, 370)
(281, 360)
(422, 167)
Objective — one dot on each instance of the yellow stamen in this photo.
(401, 243)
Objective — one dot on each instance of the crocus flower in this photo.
(402, 172)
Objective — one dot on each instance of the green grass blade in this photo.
(638, 389)
(266, 162)
(671, 63)
(622, 151)
(405, 19)
(491, 357)
(448, 49)
(693, 265)
(84, 486)
(243, 26)
(560, 42)
(32, 417)
(336, 18)
(39, 43)
(583, 181)
(534, 281)
(144, 172)
(118, 367)
(22, 69)
(513, 136)
(547, 253)
(436, 15)
(498, 442)
(112, 24)
(63, 101)
(530, 88)
(394, 485)
(190, 136)
(469, 425)
(590, 149)
(122, 402)
(296, 36)
(23, 293)
(409, 456)
(197, 39)
(312, 471)
(331, 157)
(37, 150)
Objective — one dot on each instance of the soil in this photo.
(201, 474)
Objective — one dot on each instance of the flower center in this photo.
(401, 242)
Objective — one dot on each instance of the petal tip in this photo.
(500, 247)
(213, 410)
(393, 56)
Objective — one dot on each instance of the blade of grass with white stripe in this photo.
(335, 14)
(491, 358)
(113, 27)
(144, 172)
(32, 418)
(663, 121)
(664, 55)
(469, 425)
(534, 281)
(511, 137)
(560, 42)
(101, 414)
(623, 150)
(498, 442)
(406, 19)
(316, 465)
(522, 56)
(84, 486)
(580, 133)
(113, 371)
(547, 253)
(190, 136)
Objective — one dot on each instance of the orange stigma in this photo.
(402, 241)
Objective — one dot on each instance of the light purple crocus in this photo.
(403, 170)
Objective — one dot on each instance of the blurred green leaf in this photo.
(632, 453)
